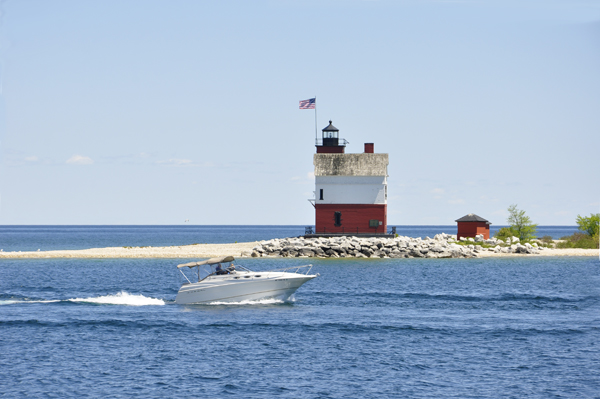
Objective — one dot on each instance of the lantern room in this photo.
(330, 142)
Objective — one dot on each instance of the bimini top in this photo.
(210, 261)
(471, 217)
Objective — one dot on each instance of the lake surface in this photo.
(408, 328)
(365, 328)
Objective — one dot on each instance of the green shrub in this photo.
(590, 225)
(505, 232)
(579, 240)
(547, 239)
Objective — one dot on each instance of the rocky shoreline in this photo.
(441, 246)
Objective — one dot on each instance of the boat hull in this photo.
(238, 288)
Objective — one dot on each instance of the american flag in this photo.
(308, 104)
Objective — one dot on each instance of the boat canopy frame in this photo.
(209, 262)
(224, 259)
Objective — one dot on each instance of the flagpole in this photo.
(316, 131)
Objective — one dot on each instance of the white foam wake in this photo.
(267, 301)
(122, 298)
(10, 302)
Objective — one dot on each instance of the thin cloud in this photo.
(438, 193)
(457, 201)
(32, 158)
(176, 162)
(180, 162)
(310, 177)
(80, 160)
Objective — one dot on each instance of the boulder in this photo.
(306, 252)
(367, 252)
(415, 253)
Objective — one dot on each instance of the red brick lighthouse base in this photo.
(351, 218)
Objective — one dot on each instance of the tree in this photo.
(589, 225)
(521, 224)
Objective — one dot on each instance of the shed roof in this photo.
(471, 217)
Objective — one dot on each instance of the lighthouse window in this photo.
(337, 218)
(321, 195)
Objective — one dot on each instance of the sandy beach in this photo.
(183, 251)
(212, 250)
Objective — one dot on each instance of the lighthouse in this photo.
(350, 189)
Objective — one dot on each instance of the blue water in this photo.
(45, 238)
(366, 328)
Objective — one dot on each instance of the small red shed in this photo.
(471, 225)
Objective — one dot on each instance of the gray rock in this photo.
(367, 252)
(306, 252)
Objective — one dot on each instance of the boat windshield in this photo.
(200, 272)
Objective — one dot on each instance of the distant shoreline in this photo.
(213, 250)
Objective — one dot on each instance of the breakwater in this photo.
(440, 246)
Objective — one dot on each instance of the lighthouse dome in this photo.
(331, 128)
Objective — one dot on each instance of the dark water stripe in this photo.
(336, 327)
(463, 298)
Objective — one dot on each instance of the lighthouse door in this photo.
(337, 219)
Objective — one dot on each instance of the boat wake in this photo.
(122, 298)
(266, 301)
(11, 301)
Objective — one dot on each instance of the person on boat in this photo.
(231, 269)
(219, 270)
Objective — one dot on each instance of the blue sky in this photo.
(156, 112)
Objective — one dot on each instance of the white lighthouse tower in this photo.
(350, 189)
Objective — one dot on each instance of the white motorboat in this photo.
(236, 283)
